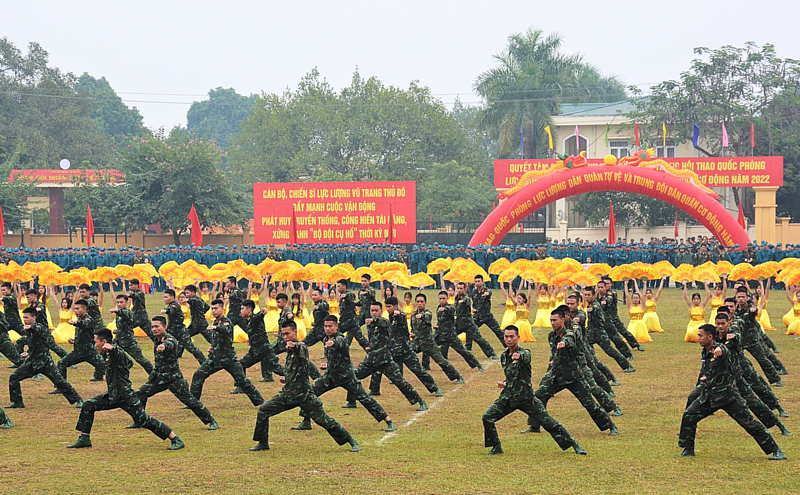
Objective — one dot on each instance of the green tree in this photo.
(105, 196)
(446, 199)
(529, 84)
(165, 176)
(220, 116)
(779, 134)
(110, 113)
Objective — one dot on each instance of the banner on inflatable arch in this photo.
(749, 171)
(639, 173)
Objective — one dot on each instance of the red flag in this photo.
(741, 218)
(430, 223)
(752, 135)
(521, 228)
(89, 227)
(197, 231)
(391, 226)
(2, 226)
(676, 225)
(612, 224)
(293, 233)
(636, 134)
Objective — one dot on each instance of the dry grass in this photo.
(441, 452)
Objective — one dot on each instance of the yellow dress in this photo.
(300, 320)
(794, 327)
(207, 299)
(542, 319)
(763, 319)
(789, 317)
(64, 331)
(510, 315)
(716, 303)
(333, 307)
(408, 309)
(272, 316)
(697, 317)
(651, 318)
(637, 326)
(523, 324)
(187, 315)
(451, 300)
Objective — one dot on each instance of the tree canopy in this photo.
(219, 118)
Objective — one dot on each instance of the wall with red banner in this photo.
(334, 212)
(750, 171)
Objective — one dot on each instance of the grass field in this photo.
(440, 451)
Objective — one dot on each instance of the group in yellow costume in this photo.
(518, 311)
(651, 319)
(720, 293)
(543, 307)
(793, 320)
(637, 326)
(697, 312)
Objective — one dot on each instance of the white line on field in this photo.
(417, 415)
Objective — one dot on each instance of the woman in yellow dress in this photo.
(44, 296)
(64, 331)
(408, 306)
(273, 313)
(636, 326)
(720, 293)
(299, 312)
(790, 315)
(651, 319)
(793, 295)
(510, 314)
(451, 295)
(333, 302)
(697, 313)
(522, 322)
(543, 309)
(763, 315)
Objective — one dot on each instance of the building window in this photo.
(569, 145)
(670, 151)
(618, 148)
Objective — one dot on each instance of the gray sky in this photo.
(178, 50)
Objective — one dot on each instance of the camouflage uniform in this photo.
(176, 328)
(612, 304)
(83, 351)
(596, 333)
(167, 376)
(719, 391)
(125, 339)
(39, 361)
(6, 346)
(223, 357)
(348, 320)
(41, 318)
(482, 301)
(197, 310)
(518, 395)
(340, 373)
(235, 299)
(609, 305)
(316, 333)
(749, 328)
(140, 317)
(297, 392)
(260, 349)
(423, 338)
(465, 323)
(365, 299)
(119, 395)
(447, 337)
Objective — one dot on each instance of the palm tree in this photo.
(531, 81)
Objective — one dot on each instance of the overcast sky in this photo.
(161, 56)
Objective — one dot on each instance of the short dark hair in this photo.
(423, 296)
(478, 277)
(84, 287)
(460, 283)
(589, 288)
(342, 281)
(708, 328)
(190, 288)
(232, 279)
(218, 302)
(134, 281)
(575, 296)
(282, 297)
(289, 324)
(559, 311)
(722, 316)
(7, 285)
(160, 319)
(249, 304)
(29, 311)
(377, 303)
(366, 276)
(122, 296)
(171, 292)
(511, 327)
(741, 289)
(104, 334)
(32, 292)
(80, 302)
(444, 293)
(729, 300)
(392, 300)
(332, 318)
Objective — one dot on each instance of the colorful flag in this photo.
(676, 225)
(664, 136)
(695, 134)
(549, 136)
(724, 136)
(89, 227)
(197, 230)
(2, 227)
(391, 225)
(612, 224)
(741, 220)
(636, 135)
(577, 140)
(752, 135)
(608, 128)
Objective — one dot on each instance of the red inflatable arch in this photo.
(647, 181)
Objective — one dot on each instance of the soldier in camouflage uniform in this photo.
(197, 310)
(446, 334)
(349, 323)
(235, 298)
(119, 395)
(297, 392)
(32, 297)
(37, 360)
(727, 336)
(222, 356)
(422, 333)
(465, 322)
(379, 356)
(319, 311)
(596, 326)
(482, 303)
(718, 391)
(260, 349)
(124, 338)
(282, 300)
(339, 373)
(402, 352)
(140, 317)
(517, 394)
(176, 328)
(612, 307)
(366, 296)
(598, 371)
(746, 314)
(168, 376)
(83, 350)
(5, 421)
(565, 372)
(9, 320)
(608, 301)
